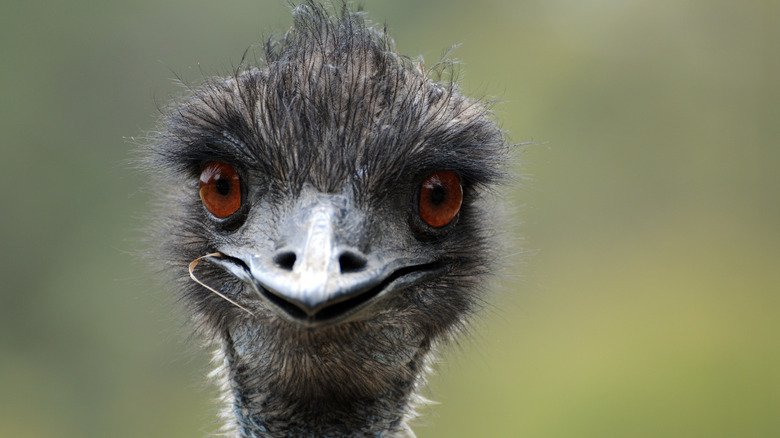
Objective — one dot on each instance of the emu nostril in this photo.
(351, 262)
(285, 260)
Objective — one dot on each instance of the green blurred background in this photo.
(642, 297)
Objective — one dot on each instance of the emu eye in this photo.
(220, 189)
(440, 198)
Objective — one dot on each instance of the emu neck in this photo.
(291, 383)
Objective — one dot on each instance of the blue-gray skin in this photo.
(347, 291)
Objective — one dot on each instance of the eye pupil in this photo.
(438, 195)
(222, 186)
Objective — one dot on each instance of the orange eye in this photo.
(440, 198)
(220, 189)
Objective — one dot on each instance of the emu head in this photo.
(342, 191)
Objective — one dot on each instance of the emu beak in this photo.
(314, 271)
(319, 276)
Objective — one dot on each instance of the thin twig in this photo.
(195, 279)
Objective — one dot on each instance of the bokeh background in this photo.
(642, 294)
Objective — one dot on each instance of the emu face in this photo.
(333, 181)
(343, 191)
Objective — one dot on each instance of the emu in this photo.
(331, 207)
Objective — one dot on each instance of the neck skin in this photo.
(358, 379)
